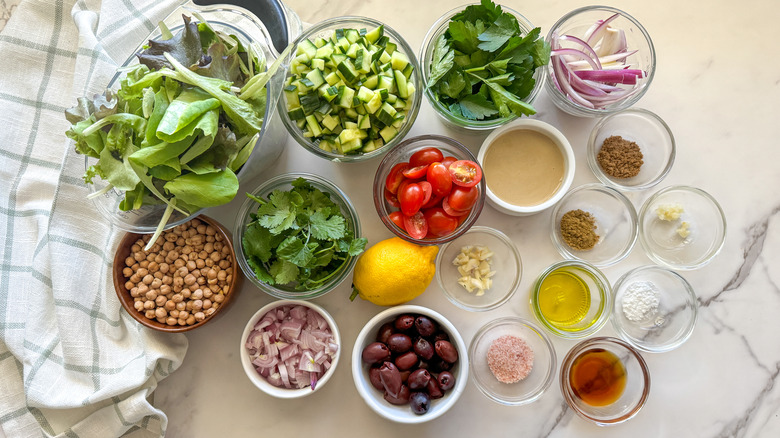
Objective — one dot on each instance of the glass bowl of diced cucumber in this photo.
(351, 92)
(479, 76)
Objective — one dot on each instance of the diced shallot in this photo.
(291, 347)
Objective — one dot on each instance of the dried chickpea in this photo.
(139, 305)
(150, 314)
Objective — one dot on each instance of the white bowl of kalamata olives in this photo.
(410, 364)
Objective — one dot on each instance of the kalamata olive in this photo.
(405, 375)
(375, 352)
(441, 336)
(399, 343)
(424, 325)
(434, 390)
(446, 380)
(420, 402)
(373, 376)
(418, 379)
(385, 331)
(406, 361)
(401, 399)
(446, 351)
(404, 322)
(437, 365)
(391, 378)
(423, 348)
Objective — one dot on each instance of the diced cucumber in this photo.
(388, 133)
(400, 83)
(375, 34)
(306, 47)
(350, 92)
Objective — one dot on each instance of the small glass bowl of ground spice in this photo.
(631, 150)
(654, 308)
(605, 380)
(594, 223)
(512, 361)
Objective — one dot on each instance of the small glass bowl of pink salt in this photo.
(512, 361)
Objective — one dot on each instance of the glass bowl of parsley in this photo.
(297, 236)
(483, 66)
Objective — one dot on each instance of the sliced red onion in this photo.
(599, 30)
(586, 49)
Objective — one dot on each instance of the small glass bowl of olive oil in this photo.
(572, 299)
(604, 380)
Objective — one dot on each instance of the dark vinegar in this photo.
(598, 377)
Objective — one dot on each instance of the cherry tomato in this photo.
(448, 160)
(416, 225)
(445, 204)
(440, 224)
(416, 172)
(398, 218)
(427, 190)
(440, 179)
(465, 173)
(435, 201)
(411, 197)
(461, 198)
(395, 176)
(425, 156)
(391, 199)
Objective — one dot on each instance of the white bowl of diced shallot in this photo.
(290, 348)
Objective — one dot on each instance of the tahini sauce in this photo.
(523, 167)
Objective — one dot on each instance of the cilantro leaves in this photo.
(299, 238)
(482, 66)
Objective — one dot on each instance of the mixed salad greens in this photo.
(299, 238)
(483, 66)
(182, 123)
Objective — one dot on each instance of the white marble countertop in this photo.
(717, 85)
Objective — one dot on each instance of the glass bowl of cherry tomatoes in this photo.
(429, 189)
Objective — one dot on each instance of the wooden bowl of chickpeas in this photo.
(186, 279)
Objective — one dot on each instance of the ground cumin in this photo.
(578, 229)
(620, 158)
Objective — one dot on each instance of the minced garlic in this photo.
(684, 230)
(473, 264)
(669, 212)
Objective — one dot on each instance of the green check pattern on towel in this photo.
(72, 362)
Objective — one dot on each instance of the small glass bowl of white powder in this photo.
(655, 308)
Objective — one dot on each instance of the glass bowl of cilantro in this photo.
(297, 236)
(602, 61)
(483, 66)
(185, 119)
(353, 89)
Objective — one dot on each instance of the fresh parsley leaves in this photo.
(299, 238)
(482, 66)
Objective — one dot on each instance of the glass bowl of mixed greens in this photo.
(185, 119)
(483, 66)
(297, 236)
(352, 91)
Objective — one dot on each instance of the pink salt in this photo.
(510, 359)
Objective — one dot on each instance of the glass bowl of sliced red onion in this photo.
(290, 348)
(602, 61)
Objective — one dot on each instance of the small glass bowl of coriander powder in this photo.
(594, 223)
(631, 150)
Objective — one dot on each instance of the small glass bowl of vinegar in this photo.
(605, 380)
(572, 299)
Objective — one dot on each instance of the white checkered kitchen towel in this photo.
(72, 362)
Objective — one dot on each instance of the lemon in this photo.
(393, 271)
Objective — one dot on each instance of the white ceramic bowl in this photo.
(259, 380)
(374, 398)
(557, 138)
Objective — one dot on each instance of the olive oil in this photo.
(598, 377)
(564, 298)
